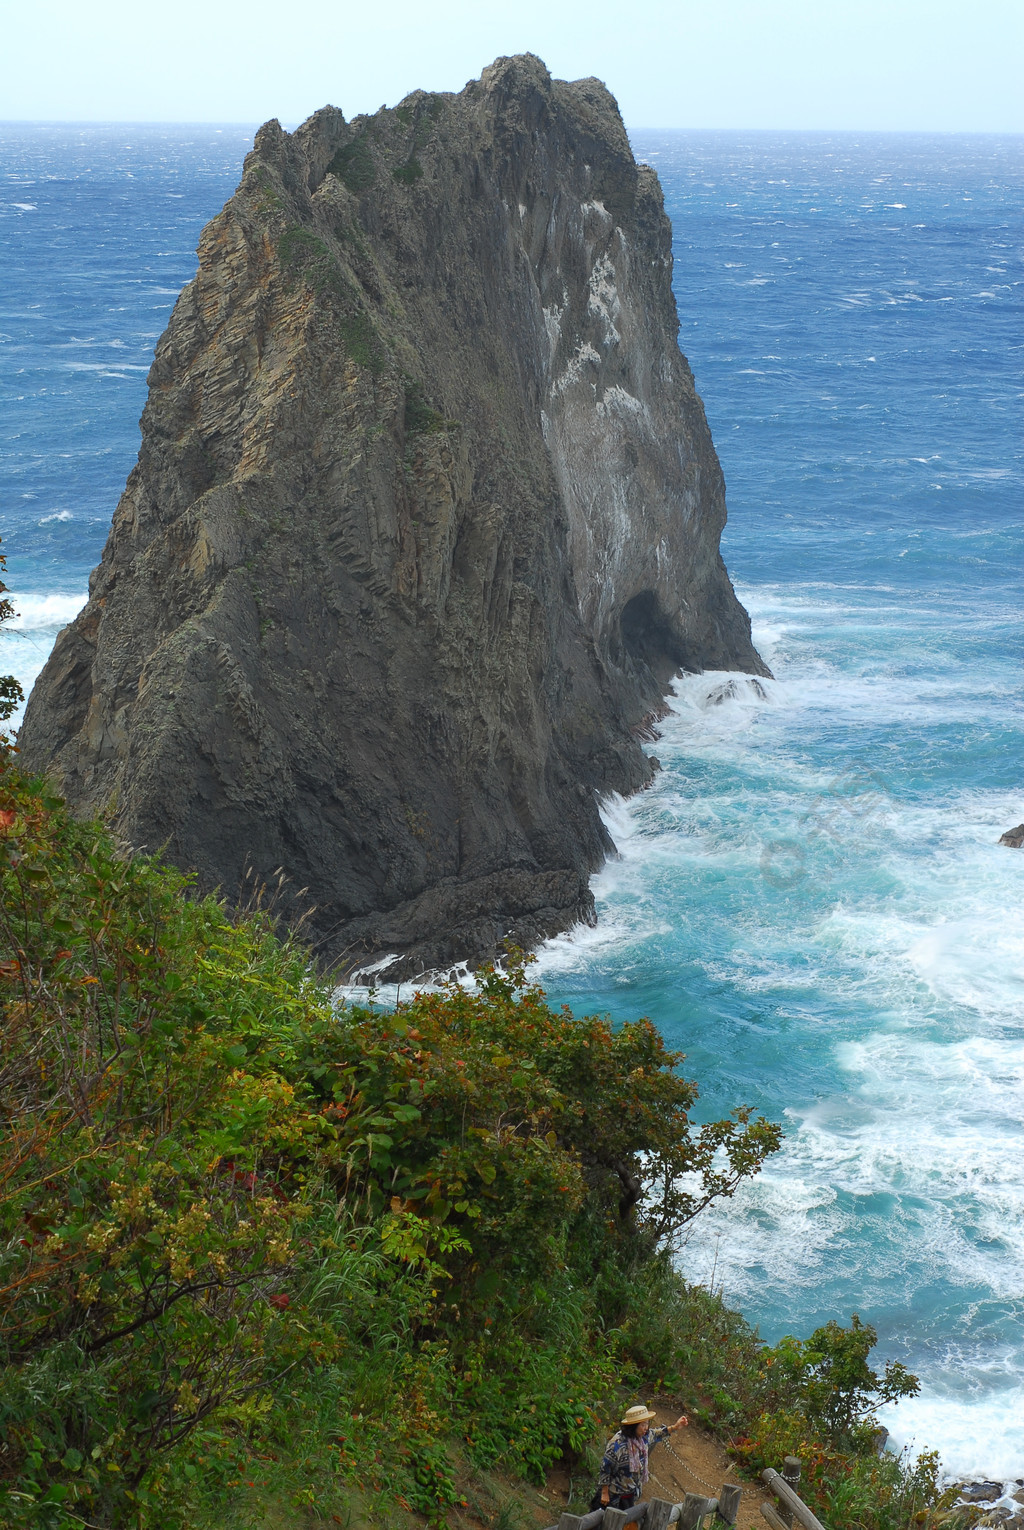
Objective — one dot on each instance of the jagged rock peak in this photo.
(424, 522)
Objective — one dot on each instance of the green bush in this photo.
(361, 341)
(829, 1383)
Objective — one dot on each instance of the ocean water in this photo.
(810, 901)
(98, 231)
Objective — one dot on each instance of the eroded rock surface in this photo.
(425, 519)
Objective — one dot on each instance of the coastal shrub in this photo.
(303, 254)
(297, 244)
(151, 1199)
(213, 1180)
(361, 341)
(259, 1254)
(818, 1398)
(827, 1378)
(866, 1490)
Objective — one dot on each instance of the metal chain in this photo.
(664, 1489)
(687, 1468)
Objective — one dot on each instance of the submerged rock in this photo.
(1013, 837)
(424, 522)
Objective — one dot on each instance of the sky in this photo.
(927, 65)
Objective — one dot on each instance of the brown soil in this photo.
(692, 1461)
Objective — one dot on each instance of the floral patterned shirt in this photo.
(624, 1468)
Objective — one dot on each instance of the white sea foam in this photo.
(26, 639)
(44, 613)
(980, 1440)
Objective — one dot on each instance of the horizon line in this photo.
(290, 125)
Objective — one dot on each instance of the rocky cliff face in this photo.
(426, 517)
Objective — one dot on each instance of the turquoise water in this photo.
(810, 900)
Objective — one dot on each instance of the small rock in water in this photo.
(1013, 837)
(981, 1492)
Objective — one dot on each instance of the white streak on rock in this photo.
(604, 302)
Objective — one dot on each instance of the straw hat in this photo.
(638, 1414)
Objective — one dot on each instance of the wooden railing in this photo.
(792, 1507)
(659, 1514)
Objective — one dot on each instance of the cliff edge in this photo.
(425, 519)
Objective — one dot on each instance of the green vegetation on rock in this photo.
(409, 172)
(353, 165)
(419, 415)
(304, 255)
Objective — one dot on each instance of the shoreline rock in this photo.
(988, 1503)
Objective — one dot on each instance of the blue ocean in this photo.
(810, 901)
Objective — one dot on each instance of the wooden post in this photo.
(659, 1512)
(589, 1521)
(790, 1500)
(791, 1468)
(694, 1509)
(618, 1519)
(772, 1515)
(729, 1496)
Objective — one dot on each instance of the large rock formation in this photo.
(425, 519)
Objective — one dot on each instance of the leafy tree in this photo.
(147, 1218)
(491, 1111)
(827, 1382)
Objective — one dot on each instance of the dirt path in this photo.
(691, 1461)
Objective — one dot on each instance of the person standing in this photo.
(623, 1473)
